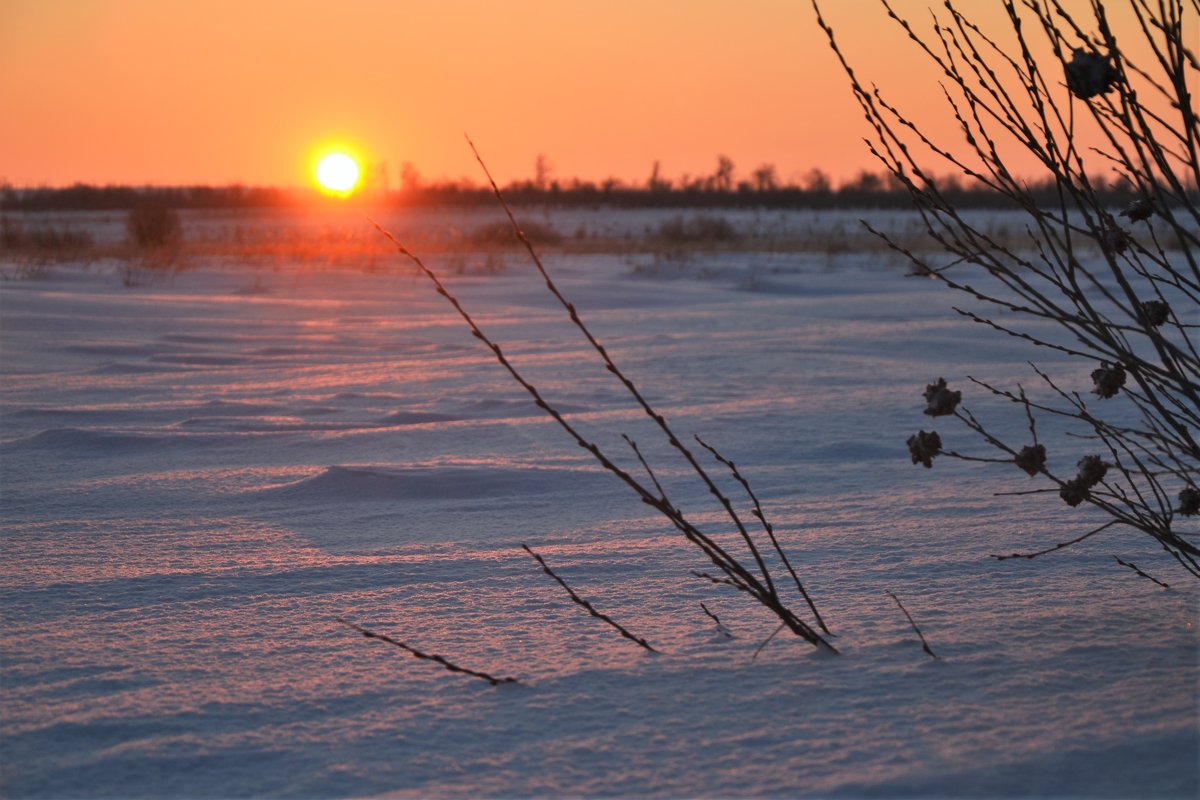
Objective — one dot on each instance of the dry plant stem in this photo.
(611, 366)
(720, 625)
(1136, 569)
(736, 575)
(766, 642)
(924, 644)
(1092, 276)
(586, 606)
(646, 466)
(415, 653)
(715, 579)
(1059, 546)
(768, 527)
(1139, 464)
(1129, 456)
(739, 577)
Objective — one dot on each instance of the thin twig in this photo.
(609, 364)
(711, 548)
(1059, 546)
(716, 580)
(766, 642)
(924, 644)
(586, 606)
(452, 667)
(1098, 296)
(646, 466)
(761, 589)
(768, 527)
(1136, 569)
(720, 625)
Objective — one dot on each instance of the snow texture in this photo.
(200, 473)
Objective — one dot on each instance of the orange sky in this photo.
(222, 91)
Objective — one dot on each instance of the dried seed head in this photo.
(940, 401)
(923, 447)
(1139, 210)
(1089, 74)
(1073, 492)
(1189, 502)
(1115, 240)
(1092, 470)
(1154, 312)
(1032, 459)
(1108, 379)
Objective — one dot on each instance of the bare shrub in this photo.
(702, 230)
(33, 248)
(12, 234)
(154, 226)
(502, 234)
(748, 573)
(1119, 289)
(51, 241)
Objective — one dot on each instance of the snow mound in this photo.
(99, 443)
(416, 418)
(353, 484)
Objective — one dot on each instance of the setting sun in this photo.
(337, 172)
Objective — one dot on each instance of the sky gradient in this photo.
(248, 91)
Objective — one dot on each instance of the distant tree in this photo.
(410, 179)
(375, 177)
(541, 172)
(892, 183)
(950, 182)
(657, 183)
(816, 181)
(865, 181)
(765, 178)
(722, 179)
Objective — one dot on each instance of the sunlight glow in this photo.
(337, 173)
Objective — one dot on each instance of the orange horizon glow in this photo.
(150, 93)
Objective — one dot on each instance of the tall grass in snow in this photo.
(748, 573)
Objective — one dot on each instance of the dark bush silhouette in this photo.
(31, 248)
(154, 226)
(501, 233)
(701, 229)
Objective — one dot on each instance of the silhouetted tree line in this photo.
(85, 197)
(721, 188)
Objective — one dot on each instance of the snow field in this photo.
(200, 473)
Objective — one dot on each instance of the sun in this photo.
(337, 173)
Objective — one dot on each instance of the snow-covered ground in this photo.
(200, 473)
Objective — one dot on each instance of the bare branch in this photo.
(924, 644)
(588, 607)
(415, 653)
